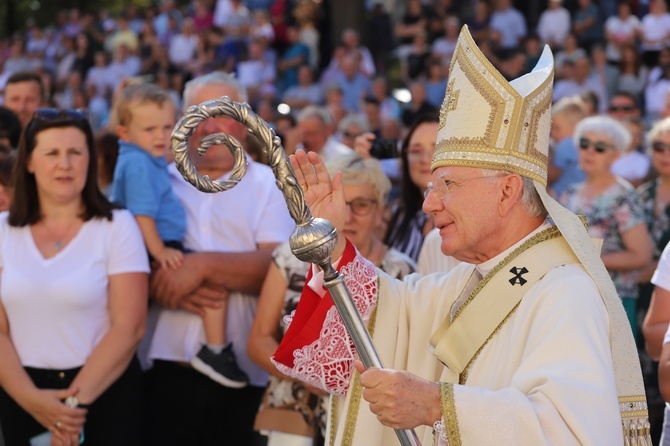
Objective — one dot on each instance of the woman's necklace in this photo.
(60, 240)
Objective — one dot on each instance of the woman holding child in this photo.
(73, 296)
(291, 413)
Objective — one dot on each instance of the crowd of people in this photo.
(158, 307)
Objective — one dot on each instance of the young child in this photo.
(564, 167)
(146, 117)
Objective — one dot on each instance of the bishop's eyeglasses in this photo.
(442, 185)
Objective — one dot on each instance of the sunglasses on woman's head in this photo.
(52, 114)
(599, 146)
(660, 147)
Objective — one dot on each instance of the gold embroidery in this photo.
(632, 398)
(333, 419)
(491, 96)
(547, 234)
(356, 389)
(449, 414)
(463, 377)
(536, 112)
(636, 414)
(512, 122)
(634, 406)
(449, 103)
(352, 410)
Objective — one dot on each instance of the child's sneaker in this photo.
(221, 367)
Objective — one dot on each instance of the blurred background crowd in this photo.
(373, 90)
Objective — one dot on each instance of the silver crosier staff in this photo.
(312, 240)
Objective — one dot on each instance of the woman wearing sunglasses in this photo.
(611, 206)
(365, 190)
(73, 296)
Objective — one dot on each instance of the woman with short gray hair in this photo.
(612, 207)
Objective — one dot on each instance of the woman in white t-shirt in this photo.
(621, 29)
(73, 296)
(657, 336)
(655, 31)
(664, 385)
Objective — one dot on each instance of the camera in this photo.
(384, 148)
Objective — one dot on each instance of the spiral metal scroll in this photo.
(312, 240)
(271, 143)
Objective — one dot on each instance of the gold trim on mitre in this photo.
(490, 123)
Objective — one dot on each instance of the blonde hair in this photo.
(659, 128)
(134, 95)
(572, 108)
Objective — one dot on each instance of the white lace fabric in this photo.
(440, 433)
(327, 363)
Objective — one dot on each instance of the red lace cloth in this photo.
(316, 348)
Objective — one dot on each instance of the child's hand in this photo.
(170, 258)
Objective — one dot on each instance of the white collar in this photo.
(485, 267)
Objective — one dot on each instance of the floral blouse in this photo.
(292, 395)
(617, 210)
(658, 225)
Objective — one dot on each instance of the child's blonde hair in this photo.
(134, 95)
(572, 108)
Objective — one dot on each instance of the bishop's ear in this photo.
(511, 191)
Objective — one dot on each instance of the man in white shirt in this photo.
(352, 42)
(184, 46)
(554, 25)
(619, 30)
(316, 128)
(509, 23)
(233, 234)
(124, 65)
